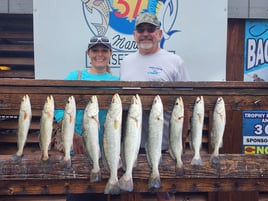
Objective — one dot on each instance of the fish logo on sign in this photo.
(120, 15)
(250, 150)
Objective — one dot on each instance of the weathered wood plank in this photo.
(18, 73)
(16, 48)
(17, 35)
(17, 61)
(235, 173)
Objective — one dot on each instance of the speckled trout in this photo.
(175, 134)
(112, 143)
(217, 131)
(154, 142)
(197, 130)
(68, 124)
(24, 122)
(46, 127)
(132, 141)
(90, 137)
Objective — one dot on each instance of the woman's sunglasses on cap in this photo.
(99, 39)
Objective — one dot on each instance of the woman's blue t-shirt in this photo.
(85, 75)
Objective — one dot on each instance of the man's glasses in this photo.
(99, 39)
(148, 29)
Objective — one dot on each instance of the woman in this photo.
(99, 51)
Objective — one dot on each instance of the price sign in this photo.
(255, 132)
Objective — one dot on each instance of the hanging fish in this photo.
(46, 127)
(68, 124)
(24, 122)
(175, 135)
(197, 129)
(217, 131)
(154, 142)
(132, 142)
(112, 143)
(90, 136)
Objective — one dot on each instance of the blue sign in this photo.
(256, 50)
(255, 132)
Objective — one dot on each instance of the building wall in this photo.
(257, 9)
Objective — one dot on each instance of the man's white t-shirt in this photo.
(162, 66)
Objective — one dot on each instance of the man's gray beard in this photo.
(145, 47)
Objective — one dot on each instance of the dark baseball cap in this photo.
(96, 40)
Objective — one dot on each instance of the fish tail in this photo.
(45, 156)
(95, 176)
(67, 163)
(197, 161)
(179, 170)
(154, 181)
(17, 158)
(214, 159)
(112, 188)
(126, 183)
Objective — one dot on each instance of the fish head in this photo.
(199, 100)
(179, 102)
(49, 104)
(220, 106)
(157, 106)
(199, 106)
(116, 105)
(116, 99)
(135, 108)
(92, 108)
(25, 103)
(138, 98)
(70, 105)
(179, 107)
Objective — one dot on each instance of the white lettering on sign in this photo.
(257, 52)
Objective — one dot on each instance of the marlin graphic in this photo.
(103, 7)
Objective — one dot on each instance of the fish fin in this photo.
(200, 118)
(126, 183)
(179, 170)
(120, 163)
(25, 116)
(116, 124)
(105, 163)
(112, 188)
(39, 140)
(44, 158)
(122, 155)
(71, 119)
(50, 145)
(171, 154)
(135, 163)
(95, 176)
(16, 158)
(50, 115)
(190, 141)
(100, 28)
(67, 163)
(215, 160)
(147, 154)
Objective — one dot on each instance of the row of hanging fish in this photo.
(116, 153)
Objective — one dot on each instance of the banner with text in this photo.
(196, 30)
(256, 51)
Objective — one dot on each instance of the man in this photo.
(151, 63)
